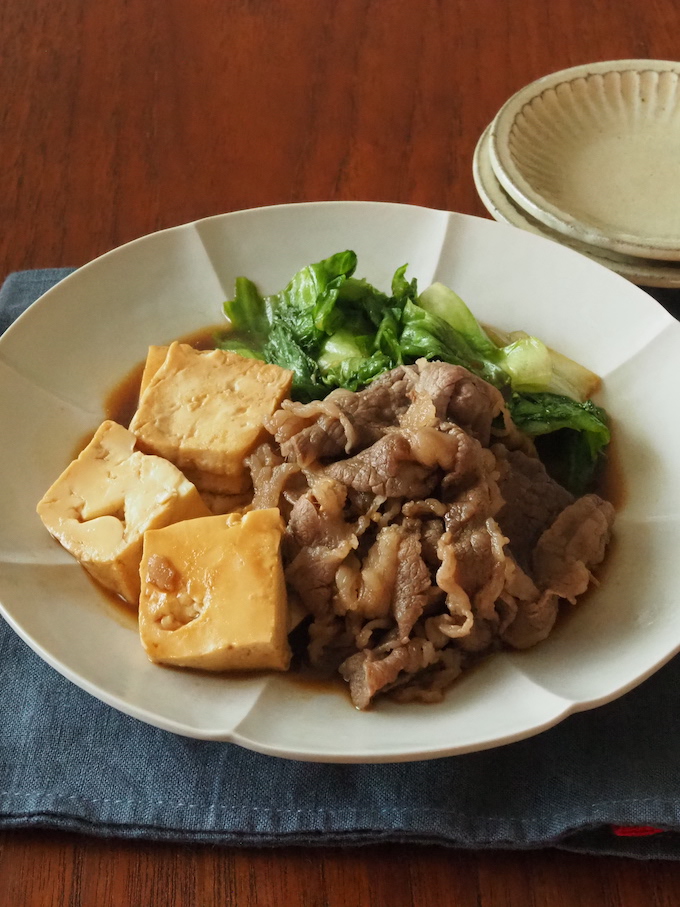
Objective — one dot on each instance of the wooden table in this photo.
(121, 118)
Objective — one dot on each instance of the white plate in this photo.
(642, 271)
(594, 153)
(59, 359)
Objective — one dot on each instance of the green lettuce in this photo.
(579, 435)
(332, 329)
(328, 327)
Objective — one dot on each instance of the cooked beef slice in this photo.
(344, 422)
(459, 620)
(429, 685)
(450, 449)
(480, 566)
(270, 475)
(431, 530)
(562, 558)
(393, 580)
(311, 573)
(381, 404)
(575, 542)
(368, 672)
(412, 584)
(460, 397)
(313, 431)
(317, 516)
(472, 504)
(533, 621)
(481, 637)
(316, 541)
(367, 589)
(518, 584)
(386, 468)
(532, 501)
(424, 509)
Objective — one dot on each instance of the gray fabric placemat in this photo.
(68, 761)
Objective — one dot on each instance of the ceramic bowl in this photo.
(593, 153)
(641, 271)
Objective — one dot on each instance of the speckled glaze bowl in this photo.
(593, 153)
(641, 271)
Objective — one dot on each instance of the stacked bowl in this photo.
(590, 157)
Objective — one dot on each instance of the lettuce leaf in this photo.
(333, 329)
(329, 327)
(579, 435)
(445, 304)
(428, 335)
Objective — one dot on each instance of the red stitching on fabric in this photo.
(635, 831)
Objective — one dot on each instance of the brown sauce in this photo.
(612, 486)
(121, 402)
(315, 683)
(123, 612)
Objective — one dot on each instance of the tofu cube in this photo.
(204, 411)
(105, 500)
(213, 594)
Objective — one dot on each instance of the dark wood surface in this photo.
(121, 117)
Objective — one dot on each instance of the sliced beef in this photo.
(533, 621)
(459, 620)
(474, 503)
(518, 584)
(423, 509)
(311, 573)
(562, 559)
(480, 566)
(368, 672)
(393, 580)
(386, 468)
(431, 684)
(526, 615)
(382, 403)
(344, 422)
(473, 573)
(270, 475)
(431, 530)
(411, 586)
(481, 637)
(572, 545)
(449, 448)
(316, 542)
(532, 501)
(308, 432)
(317, 516)
(460, 397)
(367, 589)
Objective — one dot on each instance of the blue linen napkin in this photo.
(67, 761)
